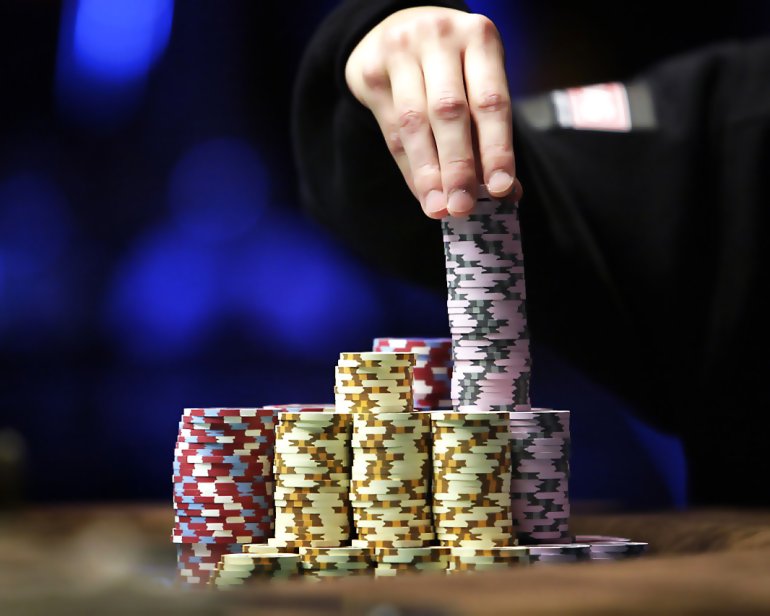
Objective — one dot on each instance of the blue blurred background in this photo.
(153, 254)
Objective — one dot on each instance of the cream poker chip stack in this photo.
(237, 569)
(374, 382)
(540, 444)
(390, 479)
(472, 479)
(391, 450)
(398, 561)
(487, 559)
(312, 475)
(319, 563)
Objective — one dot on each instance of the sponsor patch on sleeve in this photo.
(601, 106)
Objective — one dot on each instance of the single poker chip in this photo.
(616, 550)
(229, 412)
(599, 539)
(328, 417)
(300, 408)
(390, 543)
(234, 460)
(259, 548)
(378, 357)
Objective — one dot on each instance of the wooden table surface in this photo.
(118, 559)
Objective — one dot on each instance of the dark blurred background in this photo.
(153, 254)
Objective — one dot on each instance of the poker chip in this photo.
(398, 561)
(335, 561)
(312, 507)
(222, 478)
(237, 569)
(429, 441)
(390, 475)
(540, 447)
(465, 559)
(471, 479)
(617, 550)
(486, 308)
(374, 382)
(196, 562)
(559, 553)
(432, 370)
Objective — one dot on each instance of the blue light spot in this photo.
(301, 295)
(164, 298)
(120, 39)
(217, 191)
(34, 224)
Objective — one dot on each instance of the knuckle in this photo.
(394, 143)
(483, 27)
(436, 25)
(498, 155)
(427, 170)
(374, 76)
(411, 120)
(493, 102)
(397, 38)
(449, 107)
(460, 167)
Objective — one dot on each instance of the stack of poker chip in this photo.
(390, 479)
(540, 444)
(486, 305)
(391, 451)
(432, 373)
(397, 561)
(222, 485)
(237, 569)
(312, 475)
(374, 382)
(559, 553)
(197, 562)
(318, 563)
(472, 479)
(487, 559)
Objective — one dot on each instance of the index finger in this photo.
(490, 105)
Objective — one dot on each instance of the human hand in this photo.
(434, 78)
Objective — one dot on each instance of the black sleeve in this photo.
(348, 179)
(644, 245)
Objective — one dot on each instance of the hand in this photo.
(434, 78)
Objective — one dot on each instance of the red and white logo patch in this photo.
(601, 106)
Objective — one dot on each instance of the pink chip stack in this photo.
(223, 485)
(432, 372)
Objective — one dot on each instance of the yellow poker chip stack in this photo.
(312, 480)
(237, 569)
(391, 450)
(319, 563)
(472, 479)
(397, 561)
(374, 382)
(487, 559)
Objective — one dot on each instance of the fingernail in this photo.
(499, 182)
(460, 202)
(434, 202)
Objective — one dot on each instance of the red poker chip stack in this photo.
(432, 372)
(223, 485)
